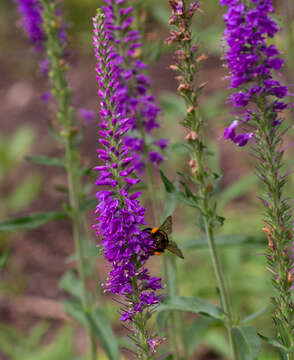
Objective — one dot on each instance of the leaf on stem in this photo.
(226, 240)
(247, 341)
(45, 160)
(191, 304)
(32, 221)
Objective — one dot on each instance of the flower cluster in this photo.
(252, 62)
(135, 100)
(30, 11)
(120, 214)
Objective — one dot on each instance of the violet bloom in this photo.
(135, 99)
(31, 13)
(252, 62)
(120, 215)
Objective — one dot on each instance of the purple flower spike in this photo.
(119, 213)
(30, 11)
(252, 62)
(135, 99)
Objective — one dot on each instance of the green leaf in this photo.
(74, 309)
(195, 332)
(20, 143)
(248, 342)
(32, 221)
(105, 334)
(24, 193)
(36, 333)
(169, 206)
(61, 349)
(254, 315)
(45, 160)
(169, 186)
(71, 284)
(191, 304)
(273, 342)
(4, 258)
(225, 240)
(100, 323)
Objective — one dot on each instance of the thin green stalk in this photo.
(62, 93)
(170, 274)
(187, 63)
(173, 335)
(73, 187)
(219, 274)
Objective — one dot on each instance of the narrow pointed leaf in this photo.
(191, 304)
(105, 333)
(71, 284)
(32, 221)
(225, 240)
(273, 342)
(45, 160)
(169, 186)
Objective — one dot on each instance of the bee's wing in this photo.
(167, 225)
(173, 247)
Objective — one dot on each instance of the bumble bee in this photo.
(161, 240)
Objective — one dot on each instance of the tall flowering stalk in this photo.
(31, 15)
(136, 100)
(187, 63)
(42, 21)
(120, 215)
(260, 100)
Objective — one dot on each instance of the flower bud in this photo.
(192, 135)
(202, 57)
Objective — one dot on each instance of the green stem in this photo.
(169, 261)
(225, 300)
(151, 189)
(62, 93)
(73, 186)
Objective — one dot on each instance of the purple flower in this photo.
(31, 13)
(135, 100)
(252, 62)
(88, 115)
(120, 215)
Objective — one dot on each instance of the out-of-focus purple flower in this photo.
(44, 66)
(46, 96)
(31, 13)
(135, 99)
(87, 115)
(155, 157)
(120, 215)
(251, 61)
(162, 143)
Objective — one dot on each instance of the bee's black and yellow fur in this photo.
(161, 240)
